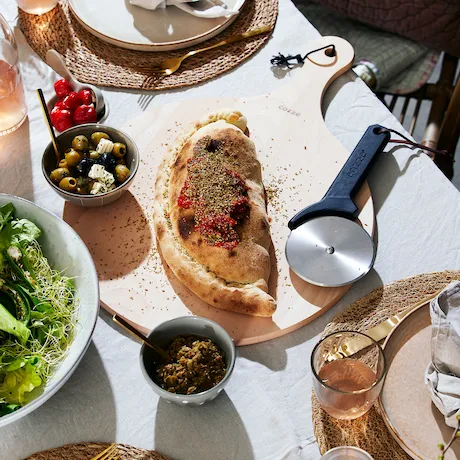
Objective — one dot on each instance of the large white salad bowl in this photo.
(65, 250)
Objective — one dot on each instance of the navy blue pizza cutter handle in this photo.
(338, 200)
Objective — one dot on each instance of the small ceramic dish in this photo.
(187, 325)
(100, 119)
(65, 141)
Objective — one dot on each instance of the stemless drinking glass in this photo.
(347, 388)
(13, 110)
(37, 6)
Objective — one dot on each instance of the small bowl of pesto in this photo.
(201, 358)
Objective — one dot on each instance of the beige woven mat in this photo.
(369, 432)
(88, 450)
(93, 61)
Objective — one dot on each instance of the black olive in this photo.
(213, 145)
(108, 161)
(84, 166)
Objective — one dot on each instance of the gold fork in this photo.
(169, 66)
(111, 453)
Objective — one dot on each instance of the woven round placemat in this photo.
(88, 450)
(369, 432)
(93, 61)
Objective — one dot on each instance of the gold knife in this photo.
(377, 333)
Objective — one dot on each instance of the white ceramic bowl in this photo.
(65, 250)
(188, 325)
(65, 141)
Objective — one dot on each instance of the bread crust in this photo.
(231, 279)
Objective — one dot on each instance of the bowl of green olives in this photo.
(98, 163)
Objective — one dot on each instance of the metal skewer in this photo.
(124, 324)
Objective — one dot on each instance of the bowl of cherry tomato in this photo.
(97, 164)
(70, 108)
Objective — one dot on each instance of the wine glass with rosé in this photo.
(13, 110)
(347, 387)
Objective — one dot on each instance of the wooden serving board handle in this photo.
(300, 159)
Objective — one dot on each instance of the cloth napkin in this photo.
(208, 8)
(443, 374)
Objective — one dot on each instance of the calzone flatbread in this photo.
(210, 216)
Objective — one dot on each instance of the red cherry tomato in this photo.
(86, 96)
(62, 88)
(72, 100)
(60, 104)
(84, 114)
(61, 119)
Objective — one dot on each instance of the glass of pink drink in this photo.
(13, 110)
(346, 388)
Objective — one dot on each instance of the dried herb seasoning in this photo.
(217, 195)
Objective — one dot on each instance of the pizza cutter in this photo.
(326, 246)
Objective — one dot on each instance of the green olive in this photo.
(97, 136)
(83, 190)
(63, 164)
(121, 173)
(80, 143)
(69, 184)
(119, 150)
(72, 157)
(121, 161)
(94, 155)
(58, 174)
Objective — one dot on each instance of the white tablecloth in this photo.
(265, 412)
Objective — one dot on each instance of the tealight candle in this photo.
(346, 453)
(37, 6)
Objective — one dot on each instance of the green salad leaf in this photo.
(6, 214)
(23, 231)
(15, 232)
(37, 312)
(21, 377)
(18, 232)
(9, 324)
(6, 409)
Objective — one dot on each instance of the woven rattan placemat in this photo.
(88, 450)
(370, 432)
(93, 61)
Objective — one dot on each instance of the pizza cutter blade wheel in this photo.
(330, 251)
(326, 246)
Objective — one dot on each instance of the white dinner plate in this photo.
(132, 27)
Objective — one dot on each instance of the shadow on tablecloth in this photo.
(16, 175)
(223, 436)
(82, 410)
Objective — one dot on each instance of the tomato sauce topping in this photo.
(218, 195)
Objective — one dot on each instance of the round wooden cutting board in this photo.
(300, 159)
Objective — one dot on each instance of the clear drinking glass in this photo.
(346, 453)
(346, 388)
(37, 6)
(13, 110)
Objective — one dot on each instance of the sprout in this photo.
(56, 308)
(455, 435)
